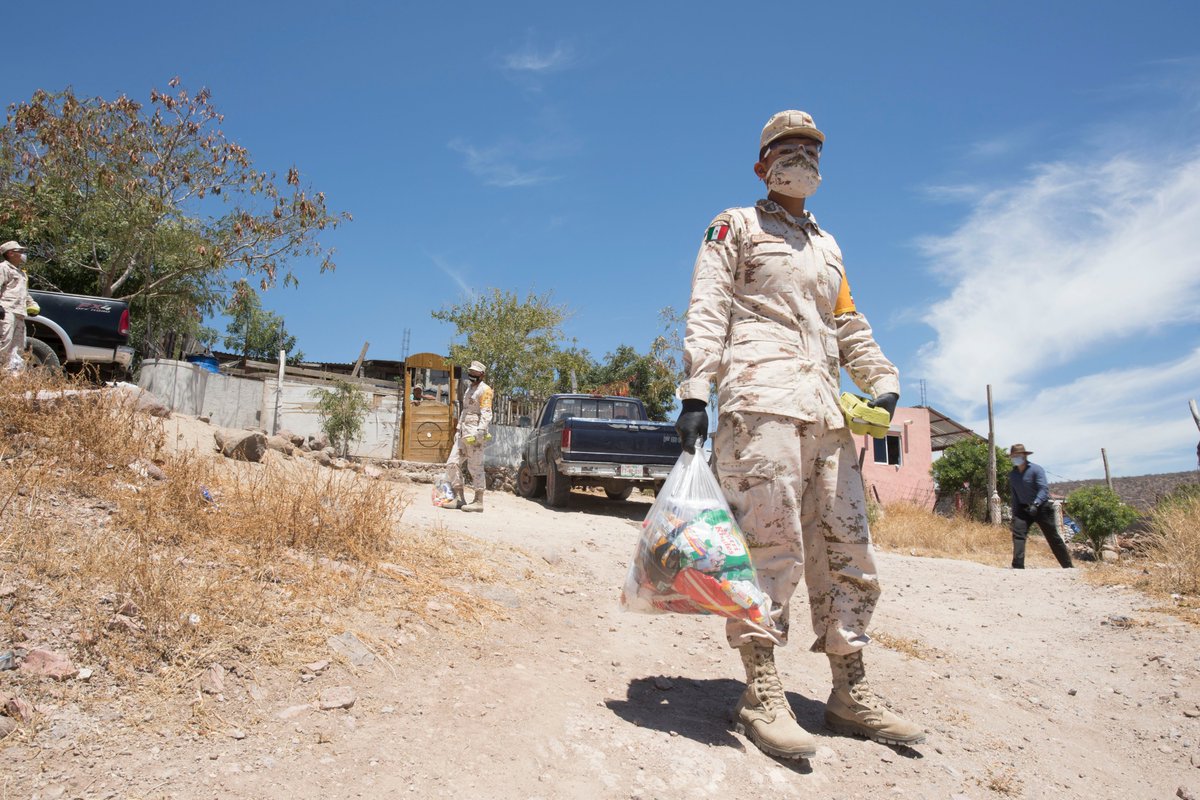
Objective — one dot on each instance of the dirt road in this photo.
(1031, 684)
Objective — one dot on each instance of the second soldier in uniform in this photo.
(469, 440)
(771, 323)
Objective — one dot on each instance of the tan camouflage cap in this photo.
(477, 366)
(4, 248)
(789, 123)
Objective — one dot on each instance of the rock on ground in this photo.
(336, 697)
(49, 664)
(241, 445)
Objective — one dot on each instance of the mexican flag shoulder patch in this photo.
(717, 232)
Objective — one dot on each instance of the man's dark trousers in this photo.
(1045, 520)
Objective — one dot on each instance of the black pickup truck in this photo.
(77, 329)
(586, 440)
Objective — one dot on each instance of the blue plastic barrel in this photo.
(205, 362)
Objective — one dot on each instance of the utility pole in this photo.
(993, 496)
(1107, 474)
(358, 364)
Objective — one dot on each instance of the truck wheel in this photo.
(528, 484)
(558, 487)
(619, 494)
(43, 355)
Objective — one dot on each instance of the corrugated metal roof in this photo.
(944, 431)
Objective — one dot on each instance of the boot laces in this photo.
(859, 689)
(767, 684)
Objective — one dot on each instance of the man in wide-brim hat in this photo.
(1030, 505)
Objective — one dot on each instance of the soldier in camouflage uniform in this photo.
(15, 306)
(469, 440)
(771, 322)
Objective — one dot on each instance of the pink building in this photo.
(896, 468)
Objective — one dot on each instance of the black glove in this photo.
(692, 424)
(1033, 509)
(886, 401)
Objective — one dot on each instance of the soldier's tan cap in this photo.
(477, 366)
(789, 123)
(4, 248)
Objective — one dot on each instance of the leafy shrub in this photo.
(1100, 513)
(343, 410)
(963, 468)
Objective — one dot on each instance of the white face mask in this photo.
(795, 175)
(1018, 461)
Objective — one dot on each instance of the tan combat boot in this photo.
(763, 714)
(459, 501)
(856, 710)
(476, 503)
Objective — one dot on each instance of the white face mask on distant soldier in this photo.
(795, 174)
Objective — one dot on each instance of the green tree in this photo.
(151, 204)
(962, 468)
(342, 409)
(577, 361)
(647, 377)
(1100, 513)
(255, 332)
(518, 340)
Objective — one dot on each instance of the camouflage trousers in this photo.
(796, 490)
(12, 343)
(472, 456)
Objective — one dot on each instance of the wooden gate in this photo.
(428, 426)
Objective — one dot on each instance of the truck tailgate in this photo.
(621, 441)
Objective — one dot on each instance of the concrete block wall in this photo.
(235, 402)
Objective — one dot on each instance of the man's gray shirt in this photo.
(1028, 487)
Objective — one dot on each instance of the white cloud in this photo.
(1053, 270)
(452, 273)
(498, 166)
(531, 60)
(1139, 414)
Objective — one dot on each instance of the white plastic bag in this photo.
(692, 557)
(443, 493)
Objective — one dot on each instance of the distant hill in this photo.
(1140, 491)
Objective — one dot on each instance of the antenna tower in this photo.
(924, 401)
(404, 344)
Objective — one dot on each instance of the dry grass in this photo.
(914, 531)
(146, 573)
(1174, 547)
(1003, 781)
(1167, 566)
(914, 648)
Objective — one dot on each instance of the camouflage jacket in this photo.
(771, 320)
(476, 410)
(14, 288)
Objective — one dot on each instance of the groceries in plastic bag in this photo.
(443, 494)
(691, 556)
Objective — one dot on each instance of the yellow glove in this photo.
(33, 309)
(861, 418)
(469, 440)
(487, 437)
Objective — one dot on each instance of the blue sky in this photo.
(1016, 188)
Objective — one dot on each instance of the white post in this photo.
(278, 393)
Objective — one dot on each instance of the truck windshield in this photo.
(595, 408)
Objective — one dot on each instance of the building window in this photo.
(887, 450)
